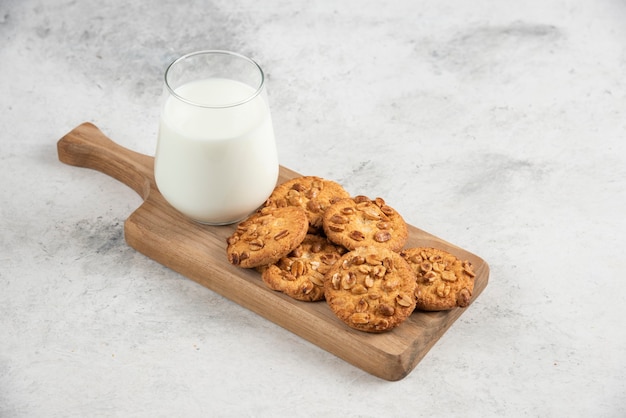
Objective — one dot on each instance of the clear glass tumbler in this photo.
(216, 159)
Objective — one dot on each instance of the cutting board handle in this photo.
(86, 146)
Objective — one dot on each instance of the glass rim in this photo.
(214, 52)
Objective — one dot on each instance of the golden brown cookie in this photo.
(360, 221)
(266, 236)
(371, 289)
(311, 193)
(300, 274)
(443, 281)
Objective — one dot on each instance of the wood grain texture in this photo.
(198, 252)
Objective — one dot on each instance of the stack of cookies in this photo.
(313, 241)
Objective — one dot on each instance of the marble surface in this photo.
(496, 125)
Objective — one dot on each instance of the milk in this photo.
(216, 165)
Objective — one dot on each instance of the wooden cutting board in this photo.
(198, 252)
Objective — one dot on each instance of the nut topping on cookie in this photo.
(443, 281)
(371, 289)
(266, 236)
(311, 193)
(360, 221)
(300, 274)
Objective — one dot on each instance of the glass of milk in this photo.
(216, 160)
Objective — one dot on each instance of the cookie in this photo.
(360, 221)
(311, 193)
(300, 274)
(443, 281)
(266, 236)
(371, 289)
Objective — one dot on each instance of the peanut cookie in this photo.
(371, 289)
(360, 221)
(300, 274)
(311, 193)
(443, 281)
(266, 236)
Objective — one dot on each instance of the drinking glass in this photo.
(216, 159)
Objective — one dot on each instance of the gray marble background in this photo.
(496, 125)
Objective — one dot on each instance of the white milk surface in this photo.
(216, 165)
